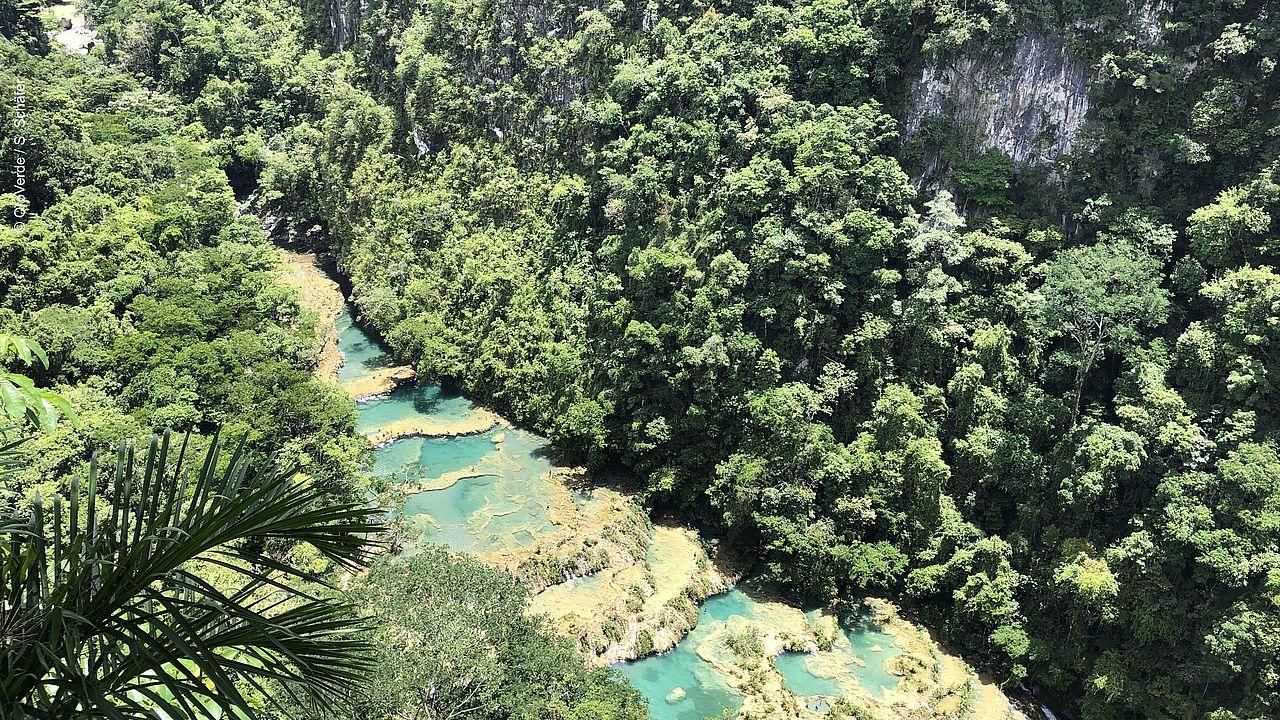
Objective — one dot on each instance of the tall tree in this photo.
(1099, 297)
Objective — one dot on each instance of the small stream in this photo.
(678, 684)
(77, 38)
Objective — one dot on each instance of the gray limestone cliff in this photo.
(1028, 103)
(1028, 99)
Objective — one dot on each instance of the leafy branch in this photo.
(20, 399)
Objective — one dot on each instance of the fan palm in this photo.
(105, 614)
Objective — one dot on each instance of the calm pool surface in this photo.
(490, 491)
(860, 652)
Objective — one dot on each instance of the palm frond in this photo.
(104, 616)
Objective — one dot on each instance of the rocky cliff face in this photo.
(339, 20)
(1148, 21)
(1028, 104)
(1029, 101)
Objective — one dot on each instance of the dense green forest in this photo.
(138, 288)
(1037, 403)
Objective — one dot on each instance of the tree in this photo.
(453, 640)
(1228, 229)
(1099, 296)
(20, 23)
(1245, 314)
(110, 612)
(934, 248)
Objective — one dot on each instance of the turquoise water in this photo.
(362, 353)
(721, 607)
(416, 459)
(503, 501)
(658, 675)
(708, 695)
(873, 647)
(861, 642)
(800, 680)
(497, 496)
(494, 494)
(408, 401)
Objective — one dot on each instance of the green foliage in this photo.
(1228, 230)
(452, 639)
(985, 180)
(116, 618)
(138, 276)
(20, 24)
(745, 642)
(1099, 297)
(20, 400)
(679, 239)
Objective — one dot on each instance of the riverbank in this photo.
(464, 477)
(478, 422)
(378, 383)
(628, 610)
(321, 295)
(619, 585)
(782, 662)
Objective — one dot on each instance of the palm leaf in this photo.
(20, 398)
(104, 616)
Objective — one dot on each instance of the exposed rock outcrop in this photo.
(479, 421)
(1028, 103)
(639, 601)
(1148, 21)
(380, 382)
(73, 32)
(319, 293)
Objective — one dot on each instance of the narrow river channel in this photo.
(476, 484)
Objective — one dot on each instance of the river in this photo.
(625, 587)
(76, 37)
